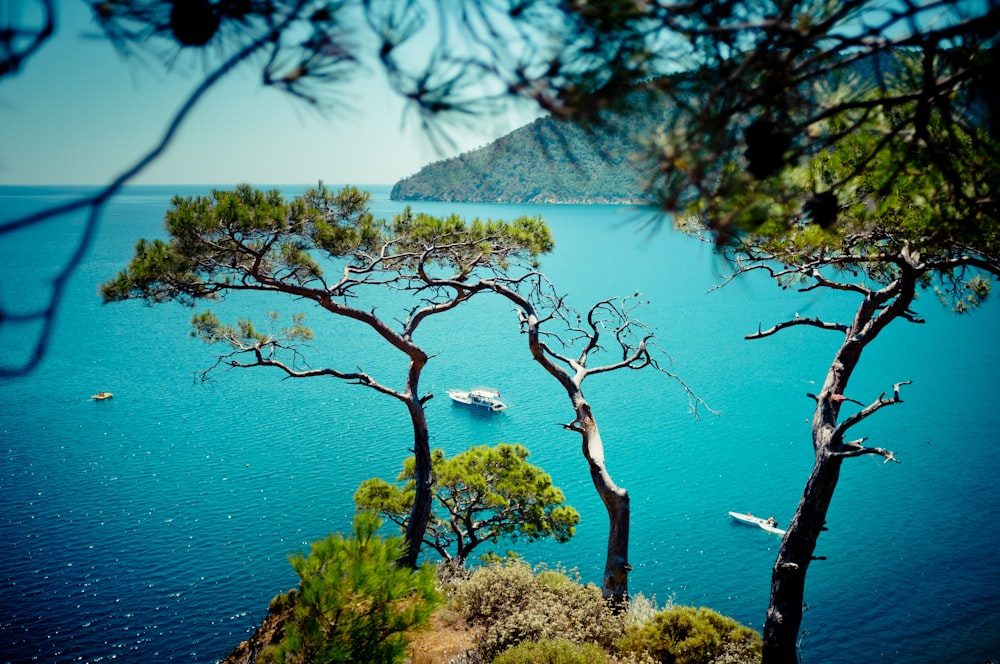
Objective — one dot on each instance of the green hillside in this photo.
(547, 161)
(551, 161)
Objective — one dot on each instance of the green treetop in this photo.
(484, 494)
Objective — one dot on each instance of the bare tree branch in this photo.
(12, 47)
(264, 355)
(856, 448)
(811, 322)
(871, 409)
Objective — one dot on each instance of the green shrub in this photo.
(685, 635)
(553, 651)
(512, 605)
(353, 604)
(482, 495)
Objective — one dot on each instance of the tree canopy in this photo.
(327, 249)
(749, 82)
(484, 494)
(769, 90)
(246, 239)
(863, 208)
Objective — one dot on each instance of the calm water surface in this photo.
(155, 526)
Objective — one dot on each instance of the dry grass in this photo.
(445, 637)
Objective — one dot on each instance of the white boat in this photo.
(485, 398)
(769, 524)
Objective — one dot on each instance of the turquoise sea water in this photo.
(155, 526)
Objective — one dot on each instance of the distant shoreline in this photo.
(533, 200)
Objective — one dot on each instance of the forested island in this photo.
(546, 161)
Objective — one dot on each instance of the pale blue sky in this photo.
(78, 113)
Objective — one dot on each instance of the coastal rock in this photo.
(271, 630)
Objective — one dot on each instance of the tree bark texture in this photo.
(420, 513)
(616, 500)
(788, 577)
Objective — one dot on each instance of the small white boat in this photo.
(485, 398)
(101, 396)
(769, 524)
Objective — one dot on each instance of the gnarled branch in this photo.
(872, 408)
(812, 322)
(857, 448)
(262, 359)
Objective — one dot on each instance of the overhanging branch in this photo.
(811, 322)
(261, 360)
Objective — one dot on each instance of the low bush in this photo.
(510, 603)
(686, 635)
(553, 651)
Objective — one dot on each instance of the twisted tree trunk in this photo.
(616, 501)
(420, 513)
(571, 372)
(788, 577)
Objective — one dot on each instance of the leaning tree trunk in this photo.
(616, 501)
(614, 585)
(420, 513)
(788, 577)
